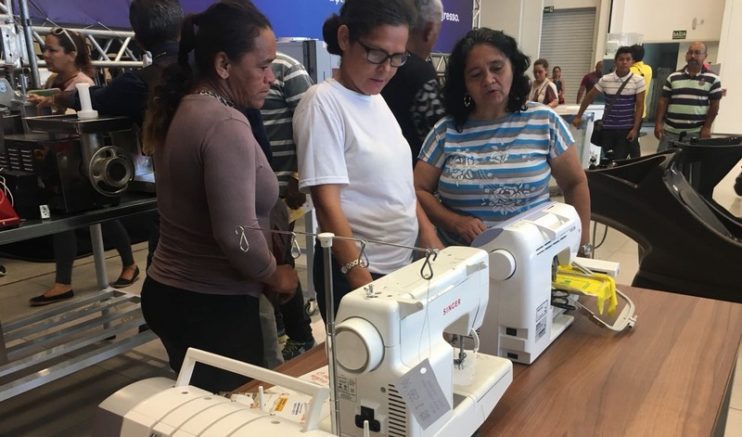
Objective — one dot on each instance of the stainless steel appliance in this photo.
(81, 164)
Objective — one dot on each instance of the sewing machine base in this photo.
(155, 405)
(474, 402)
(476, 392)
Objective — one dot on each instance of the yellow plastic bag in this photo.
(599, 285)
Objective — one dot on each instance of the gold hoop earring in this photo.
(468, 101)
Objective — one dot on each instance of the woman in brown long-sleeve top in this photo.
(203, 286)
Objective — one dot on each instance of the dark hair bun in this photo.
(330, 34)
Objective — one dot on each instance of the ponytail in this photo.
(177, 80)
(229, 26)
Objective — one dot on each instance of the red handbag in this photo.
(8, 216)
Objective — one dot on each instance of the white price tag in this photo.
(420, 389)
(44, 211)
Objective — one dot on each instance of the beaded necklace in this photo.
(223, 100)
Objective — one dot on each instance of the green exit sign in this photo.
(679, 34)
(548, 9)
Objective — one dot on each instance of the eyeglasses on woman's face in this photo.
(379, 56)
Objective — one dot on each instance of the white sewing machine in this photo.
(161, 407)
(386, 334)
(520, 322)
(394, 328)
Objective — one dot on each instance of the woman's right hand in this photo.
(294, 197)
(40, 101)
(358, 277)
(577, 122)
(284, 281)
(468, 227)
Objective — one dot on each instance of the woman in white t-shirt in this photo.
(353, 158)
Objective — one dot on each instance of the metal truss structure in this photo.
(440, 60)
(101, 43)
(109, 48)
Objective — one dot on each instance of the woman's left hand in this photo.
(468, 227)
(283, 283)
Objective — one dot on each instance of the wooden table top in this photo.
(666, 377)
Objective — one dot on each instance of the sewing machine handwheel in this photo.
(358, 345)
(502, 264)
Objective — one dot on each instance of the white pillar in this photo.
(602, 17)
(728, 121)
(520, 19)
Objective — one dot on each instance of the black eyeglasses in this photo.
(59, 31)
(378, 56)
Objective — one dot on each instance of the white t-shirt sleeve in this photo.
(602, 83)
(319, 137)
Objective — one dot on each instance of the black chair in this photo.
(689, 243)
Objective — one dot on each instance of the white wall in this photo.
(728, 120)
(502, 15)
(520, 19)
(656, 19)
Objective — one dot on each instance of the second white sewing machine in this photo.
(521, 322)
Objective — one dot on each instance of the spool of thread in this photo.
(86, 108)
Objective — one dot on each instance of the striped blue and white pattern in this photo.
(623, 107)
(494, 170)
(689, 99)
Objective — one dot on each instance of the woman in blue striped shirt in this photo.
(493, 154)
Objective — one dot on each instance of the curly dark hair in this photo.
(454, 90)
